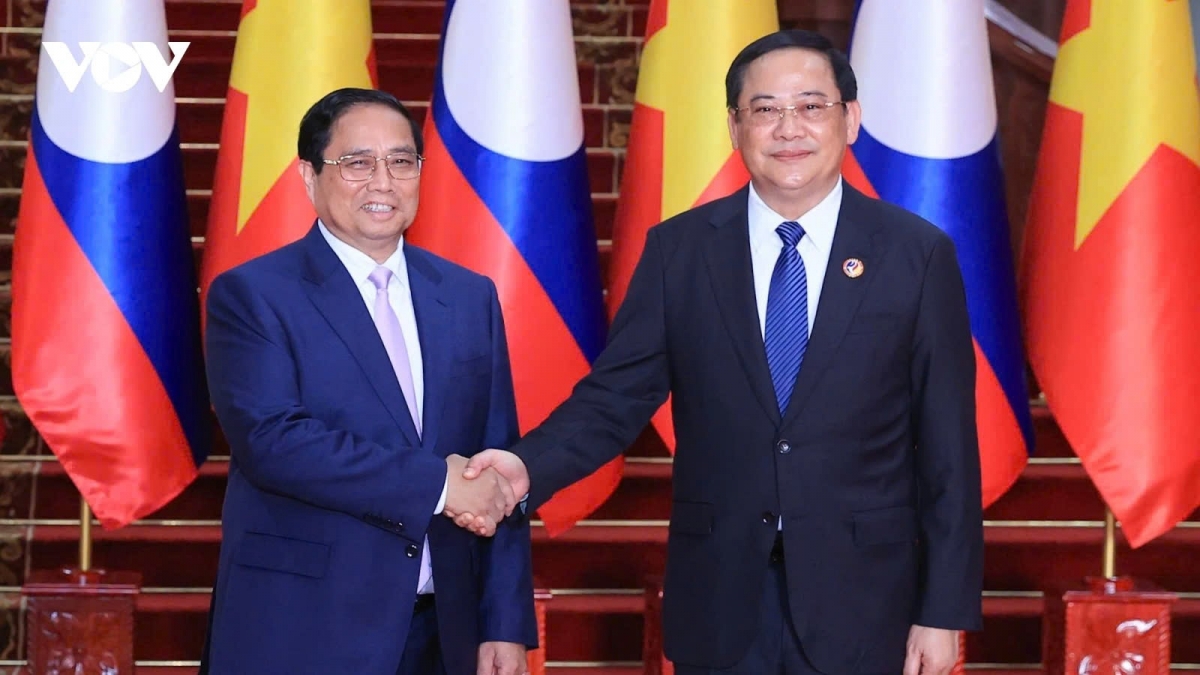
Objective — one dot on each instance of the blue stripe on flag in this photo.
(131, 222)
(963, 197)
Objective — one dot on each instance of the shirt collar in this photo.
(359, 264)
(819, 223)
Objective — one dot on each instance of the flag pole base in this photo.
(1109, 625)
(80, 621)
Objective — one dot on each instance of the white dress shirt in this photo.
(360, 265)
(819, 225)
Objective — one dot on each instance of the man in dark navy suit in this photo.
(826, 513)
(352, 373)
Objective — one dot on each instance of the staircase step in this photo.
(1050, 488)
(1058, 491)
(1051, 446)
(637, 669)
(552, 668)
(1045, 491)
(616, 668)
(622, 554)
(589, 625)
(56, 497)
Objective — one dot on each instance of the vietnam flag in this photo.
(679, 154)
(1111, 293)
(289, 53)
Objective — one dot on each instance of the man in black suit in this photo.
(826, 513)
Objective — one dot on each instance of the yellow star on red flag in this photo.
(1130, 107)
(288, 55)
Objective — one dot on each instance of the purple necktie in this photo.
(388, 325)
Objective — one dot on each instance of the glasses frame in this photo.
(795, 110)
(341, 172)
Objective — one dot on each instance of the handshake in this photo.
(484, 490)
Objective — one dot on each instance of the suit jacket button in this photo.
(412, 551)
(783, 447)
(769, 517)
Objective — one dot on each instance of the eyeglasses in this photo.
(400, 165)
(812, 111)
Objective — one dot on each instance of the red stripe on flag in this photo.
(638, 209)
(1002, 451)
(656, 19)
(284, 215)
(1076, 18)
(729, 179)
(82, 376)
(853, 174)
(546, 361)
(640, 204)
(999, 431)
(373, 66)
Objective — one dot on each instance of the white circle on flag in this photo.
(925, 76)
(509, 73)
(115, 114)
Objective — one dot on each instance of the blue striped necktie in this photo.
(786, 334)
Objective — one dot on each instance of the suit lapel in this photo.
(840, 294)
(333, 293)
(434, 323)
(727, 253)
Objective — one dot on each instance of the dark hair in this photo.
(317, 124)
(843, 74)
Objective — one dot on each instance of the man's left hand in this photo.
(501, 658)
(931, 651)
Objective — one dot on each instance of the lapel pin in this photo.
(853, 267)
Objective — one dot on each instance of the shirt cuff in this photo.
(442, 502)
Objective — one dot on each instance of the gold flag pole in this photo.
(85, 535)
(1110, 544)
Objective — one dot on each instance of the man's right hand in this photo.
(511, 468)
(487, 496)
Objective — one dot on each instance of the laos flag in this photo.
(106, 341)
(928, 143)
(505, 192)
